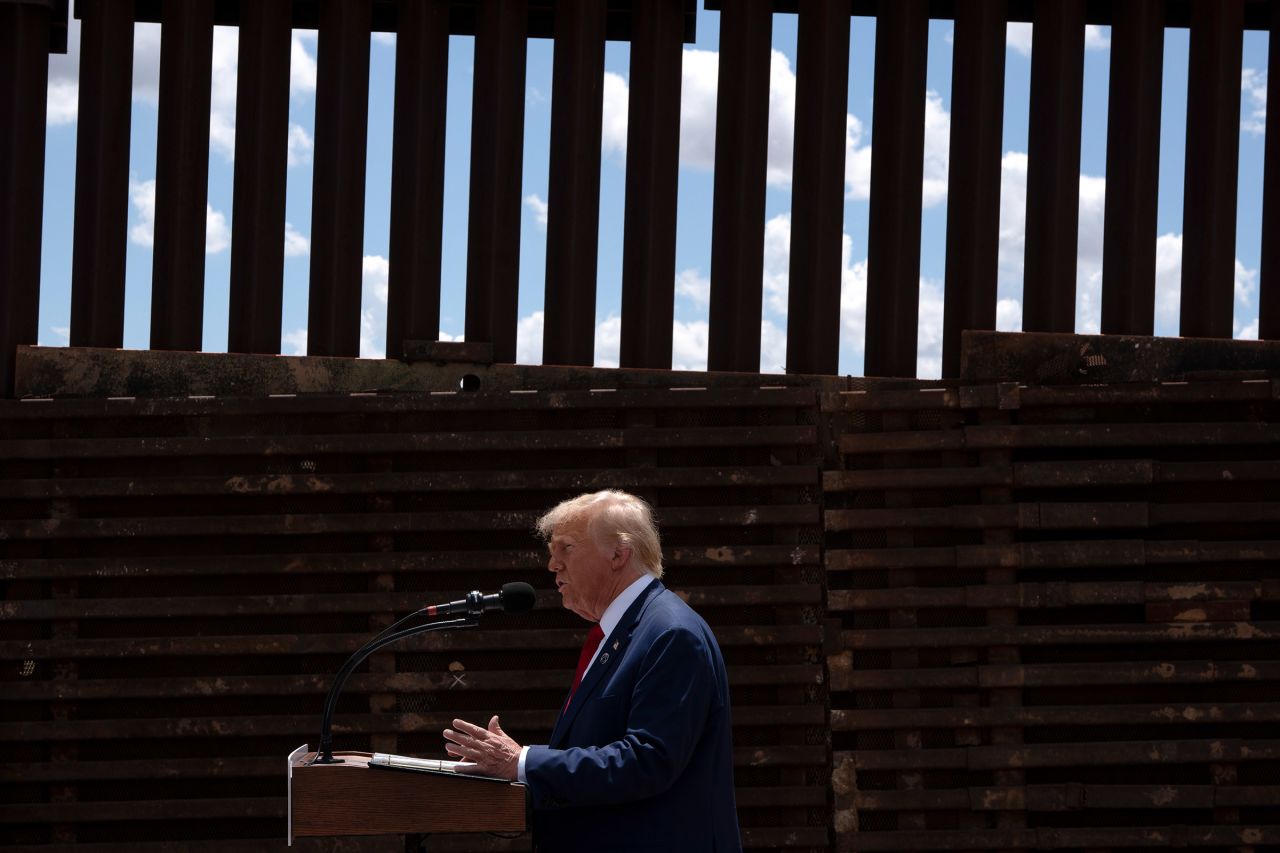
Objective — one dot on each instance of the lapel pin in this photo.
(615, 645)
(604, 658)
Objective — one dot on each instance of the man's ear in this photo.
(621, 556)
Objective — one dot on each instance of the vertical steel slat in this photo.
(817, 187)
(1053, 167)
(497, 160)
(102, 174)
(262, 155)
(573, 190)
(337, 196)
(24, 81)
(182, 175)
(741, 162)
(897, 181)
(1133, 168)
(1212, 168)
(1269, 267)
(653, 165)
(973, 194)
(417, 169)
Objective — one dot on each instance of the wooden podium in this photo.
(353, 798)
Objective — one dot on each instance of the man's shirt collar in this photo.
(614, 612)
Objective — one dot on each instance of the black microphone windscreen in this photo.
(517, 597)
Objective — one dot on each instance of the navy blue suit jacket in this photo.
(642, 759)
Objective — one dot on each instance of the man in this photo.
(641, 756)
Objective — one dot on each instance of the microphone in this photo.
(515, 597)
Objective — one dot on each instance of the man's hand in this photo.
(492, 750)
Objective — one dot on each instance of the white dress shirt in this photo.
(608, 622)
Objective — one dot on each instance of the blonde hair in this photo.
(612, 516)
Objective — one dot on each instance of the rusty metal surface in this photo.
(24, 74)
(1133, 161)
(1212, 169)
(497, 162)
(653, 168)
(817, 189)
(973, 193)
(1269, 260)
(417, 168)
(261, 158)
(102, 175)
(897, 174)
(182, 576)
(1053, 167)
(737, 231)
(1056, 359)
(338, 179)
(573, 184)
(182, 176)
(502, 31)
(1057, 607)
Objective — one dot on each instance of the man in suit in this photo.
(641, 756)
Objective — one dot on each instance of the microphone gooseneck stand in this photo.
(390, 635)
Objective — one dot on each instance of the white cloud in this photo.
(693, 286)
(1096, 37)
(222, 96)
(777, 262)
(857, 160)
(294, 343)
(385, 39)
(698, 128)
(63, 333)
(302, 64)
(1018, 37)
(782, 119)
(143, 196)
(853, 298)
(689, 343)
(146, 63)
(1168, 283)
(929, 331)
(937, 154)
(608, 342)
(1013, 220)
(937, 149)
(1009, 315)
(446, 336)
(613, 129)
(539, 208)
(373, 306)
(699, 76)
(1093, 193)
(1253, 90)
(295, 244)
(217, 234)
(529, 339)
(773, 348)
(698, 84)
(64, 78)
(300, 145)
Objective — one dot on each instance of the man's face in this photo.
(583, 570)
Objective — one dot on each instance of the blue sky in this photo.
(693, 246)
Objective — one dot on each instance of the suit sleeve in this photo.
(670, 705)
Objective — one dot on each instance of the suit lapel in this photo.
(610, 652)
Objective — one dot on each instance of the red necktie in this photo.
(594, 636)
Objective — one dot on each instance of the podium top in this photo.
(359, 798)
